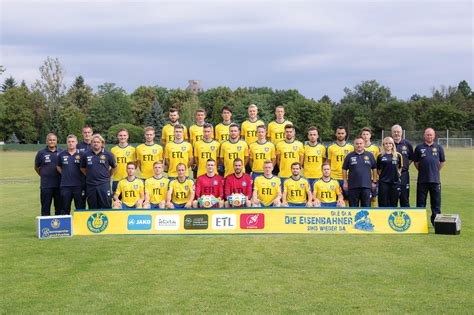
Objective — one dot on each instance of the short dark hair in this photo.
(234, 125)
(289, 126)
(227, 108)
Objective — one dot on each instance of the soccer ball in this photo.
(207, 201)
(236, 200)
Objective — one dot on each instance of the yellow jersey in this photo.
(276, 131)
(313, 160)
(123, 155)
(289, 153)
(147, 155)
(204, 151)
(130, 190)
(296, 190)
(327, 191)
(222, 132)
(259, 152)
(157, 188)
(267, 189)
(232, 150)
(336, 154)
(249, 130)
(177, 153)
(374, 150)
(167, 134)
(180, 190)
(195, 133)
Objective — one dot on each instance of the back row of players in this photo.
(229, 150)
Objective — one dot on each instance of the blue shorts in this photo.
(328, 204)
(311, 183)
(255, 175)
(269, 206)
(124, 206)
(179, 205)
(299, 205)
(345, 194)
(154, 205)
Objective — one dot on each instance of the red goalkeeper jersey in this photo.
(206, 185)
(242, 185)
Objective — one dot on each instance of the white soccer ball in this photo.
(236, 200)
(207, 201)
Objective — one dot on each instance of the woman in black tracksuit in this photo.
(389, 166)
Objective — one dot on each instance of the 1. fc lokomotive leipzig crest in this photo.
(183, 148)
(97, 222)
(267, 149)
(239, 148)
(295, 148)
(127, 153)
(155, 151)
(399, 221)
(212, 148)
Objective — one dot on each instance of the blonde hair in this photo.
(394, 148)
(253, 106)
(96, 135)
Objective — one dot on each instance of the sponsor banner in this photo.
(55, 226)
(252, 221)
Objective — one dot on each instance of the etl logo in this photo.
(224, 221)
(252, 221)
(139, 222)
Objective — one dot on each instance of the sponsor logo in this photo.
(224, 221)
(97, 222)
(167, 222)
(362, 221)
(139, 222)
(196, 222)
(399, 221)
(252, 221)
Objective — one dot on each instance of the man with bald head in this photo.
(429, 160)
(405, 148)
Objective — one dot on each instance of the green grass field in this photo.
(234, 274)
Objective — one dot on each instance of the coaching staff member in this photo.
(405, 148)
(362, 177)
(98, 165)
(429, 160)
(72, 179)
(45, 165)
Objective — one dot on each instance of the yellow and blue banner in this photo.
(251, 221)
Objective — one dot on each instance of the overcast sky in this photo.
(317, 47)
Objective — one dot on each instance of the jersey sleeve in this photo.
(372, 160)
(220, 191)
(273, 153)
(118, 191)
(198, 187)
(112, 161)
(411, 154)
(191, 152)
(345, 164)
(416, 155)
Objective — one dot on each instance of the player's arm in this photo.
(309, 199)
(255, 200)
(317, 202)
(276, 201)
(340, 197)
(59, 169)
(169, 194)
(189, 204)
(283, 197)
(344, 178)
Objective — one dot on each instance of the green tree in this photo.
(394, 112)
(80, 95)
(113, 106)
(156, 117)
(71, 122)
(444, 116)
(135, 133)
(352, 116)
(465, 89)
(52, 87)
(304, 113)
(211, 98)
(40, 111)
(143, 98)
(177, 98)
(188, 110)
(17, 115)
(9, 83)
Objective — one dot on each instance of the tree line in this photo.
(29, 113)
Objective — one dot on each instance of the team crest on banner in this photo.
(362, 221)
(399, 221)
(55, 224)
(97, 222)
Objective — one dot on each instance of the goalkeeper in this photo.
(238, 187)
(209, 188)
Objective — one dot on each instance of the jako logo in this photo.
(139, 222)
(167, 222)
(252, 221)
(224, 221)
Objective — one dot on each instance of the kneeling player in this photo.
(180, 190)
(209, 188)
(326, 191)
(267, 188)
(296, 191)
(131, 188)
(238, 187)
(156, 188)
